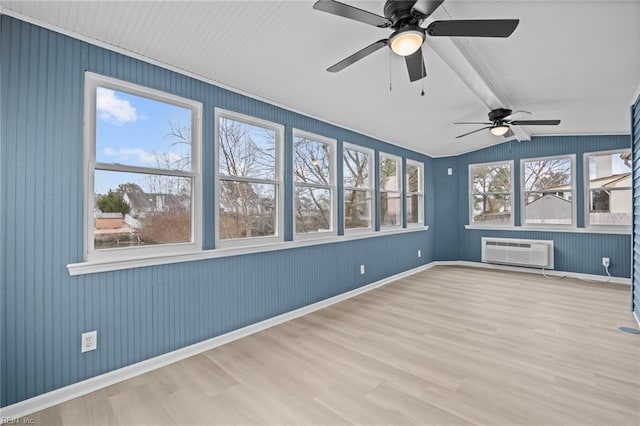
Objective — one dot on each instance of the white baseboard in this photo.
(93, 384)
(548, 272)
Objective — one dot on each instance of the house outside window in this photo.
(358, 187)
(314, 171)
(608, 183)
(415, 193)
(491, 194)
(548, 191)
(390, 172)
(249, 189)
(142, 171)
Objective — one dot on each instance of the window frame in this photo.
(399, 191)
(587, 189)
(574, 201)
(333, 175)
(278, 182)
(91, 82)
(371, 188)
(471, 193)
(420, 192)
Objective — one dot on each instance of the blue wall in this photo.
(144, 312)
(574, 252)
(635, 250)
(139, 313)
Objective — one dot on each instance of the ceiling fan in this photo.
(499, 122)
(405, 18)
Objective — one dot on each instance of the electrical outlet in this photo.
(419, 253)
(361, 269)
(606, 262)
(450, 171)
(89, 341)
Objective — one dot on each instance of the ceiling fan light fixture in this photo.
(406, 40)
(500, 129)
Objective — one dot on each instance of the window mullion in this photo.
(116, 167)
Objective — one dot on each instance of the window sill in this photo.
(83, 268)
(590, 230)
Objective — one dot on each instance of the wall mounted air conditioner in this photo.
(516, 252)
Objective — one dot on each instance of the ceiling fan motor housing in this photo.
(399, 12)
(499, 114)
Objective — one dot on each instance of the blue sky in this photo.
(133, 130)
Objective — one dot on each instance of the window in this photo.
(249, 180)
(314, 184)
(390, 191)
(548, 191)
(415, 193)
(491, 188)
(142, 170)
(358, 187)
(608, 184)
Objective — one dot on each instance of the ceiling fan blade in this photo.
(350, 60)
(415, 66)
(346, 11)
(472, 122)
(535, 122)
(509, 134)
(519, 112)
(475, 131)
(473, 28)
(426, 7)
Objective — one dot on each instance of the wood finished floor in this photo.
(447, 346)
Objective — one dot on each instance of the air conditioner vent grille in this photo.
(504, 244)
(505, 251)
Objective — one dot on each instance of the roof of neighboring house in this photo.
(547, 196)
(146, 201)
(620, 178)
(600, 182)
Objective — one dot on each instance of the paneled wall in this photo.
(635, 135)
(574, 252)
(139, 313)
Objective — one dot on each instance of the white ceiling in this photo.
(578, 61)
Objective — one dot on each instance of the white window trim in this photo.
(399, 174)
(84, 268)
(279, 181)
(420, 192)
(371, 189)
(92, 80)
(587, 197)
(333, 187)
(574, 201)
(471, 193)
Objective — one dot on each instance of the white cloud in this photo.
(142, 156)
(113, 109)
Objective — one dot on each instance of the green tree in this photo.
(113, 202)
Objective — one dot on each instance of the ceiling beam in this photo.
(458, 54)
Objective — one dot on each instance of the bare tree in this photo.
(358, 166)
(541, 175)
(312, 167)
(246, 207)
